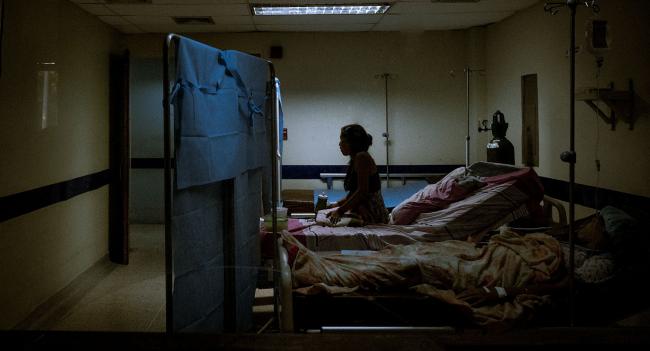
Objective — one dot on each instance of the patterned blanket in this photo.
(441, 270)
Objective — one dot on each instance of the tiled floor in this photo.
(131, 297)
(127, 297)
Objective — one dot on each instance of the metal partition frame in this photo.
(172, 39)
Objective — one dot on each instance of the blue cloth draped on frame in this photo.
(221, 99)
(222, 114)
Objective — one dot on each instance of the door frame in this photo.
(119, 158)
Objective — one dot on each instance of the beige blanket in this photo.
(441, 270)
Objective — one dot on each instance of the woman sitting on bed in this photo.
(362, 182)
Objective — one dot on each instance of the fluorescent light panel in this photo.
(300, 10)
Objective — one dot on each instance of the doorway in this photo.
(119, 159)
(529, 115)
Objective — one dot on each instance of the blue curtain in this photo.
(221, 116)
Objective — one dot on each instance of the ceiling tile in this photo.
(314, 28)
(150, 20)
(402, 7)
(233, 19)
(114, 20)
(129, 29)
(198, 2)
(158, 28)
(438, 22)
(97, 9)
(235, 15)
(177, 10)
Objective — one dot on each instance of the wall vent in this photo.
(189, 21)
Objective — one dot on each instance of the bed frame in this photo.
(288, 315)
(329, 177)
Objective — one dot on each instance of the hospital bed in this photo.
(305, 201)
(605, 276)
(515, 196)
(484, 210)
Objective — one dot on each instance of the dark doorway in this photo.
(118, 228)
(530, 128)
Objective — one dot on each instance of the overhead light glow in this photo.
(301, 10)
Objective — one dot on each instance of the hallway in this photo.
(123, 298)
(112, 297)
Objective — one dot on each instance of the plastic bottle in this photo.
(321, 203)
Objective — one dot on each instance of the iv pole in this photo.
(570, 156)
(468, 73)
(386, 76)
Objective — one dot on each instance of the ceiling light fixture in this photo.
(301, 10)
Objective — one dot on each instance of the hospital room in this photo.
(283, 174)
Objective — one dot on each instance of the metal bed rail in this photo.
(329, 177)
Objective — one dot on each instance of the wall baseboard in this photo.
(58, 305)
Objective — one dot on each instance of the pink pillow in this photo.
(453, 187)
(528, 182)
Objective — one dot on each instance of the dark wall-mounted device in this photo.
(599, 37)
(276, 52)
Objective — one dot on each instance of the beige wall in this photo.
(328, 80)
(535, 42)
(41, 252)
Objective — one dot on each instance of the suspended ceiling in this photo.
(156, 16)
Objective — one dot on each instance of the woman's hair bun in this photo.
(356, 137)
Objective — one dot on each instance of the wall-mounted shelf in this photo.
(620, 103)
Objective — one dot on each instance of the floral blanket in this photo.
(441, 270)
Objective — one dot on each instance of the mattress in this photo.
(468, 219)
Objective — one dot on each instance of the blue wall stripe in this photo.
(585, 195)
(21, 203)
(314, 171)
(589, 196)
(27, 201)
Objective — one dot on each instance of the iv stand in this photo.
(386, 135)
(570, 156)
(468, 73)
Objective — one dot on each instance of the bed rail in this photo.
(329, 177)
(549, 204)
(356, 329)
(285, 290)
